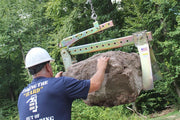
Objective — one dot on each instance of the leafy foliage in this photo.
(21, 29)
(9, 110)
(152, 99)
(82, 111)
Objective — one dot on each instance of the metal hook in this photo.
(94, 15)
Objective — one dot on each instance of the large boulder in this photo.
(122, 83)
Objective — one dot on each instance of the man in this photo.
(48, 97)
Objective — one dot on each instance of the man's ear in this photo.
(48, 67)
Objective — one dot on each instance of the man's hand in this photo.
(102, 63)
(59, 74)
(97, 79)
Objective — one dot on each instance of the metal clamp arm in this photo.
(67, 42)
(105, 45)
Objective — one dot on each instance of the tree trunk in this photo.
(177, 89)
(22, 52)
(12, 95)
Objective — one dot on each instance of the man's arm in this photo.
(97, 79)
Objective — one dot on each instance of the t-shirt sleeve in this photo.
(76, 89)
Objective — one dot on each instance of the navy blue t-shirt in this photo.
(51, 98)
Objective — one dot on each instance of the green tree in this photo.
(23, 26)
(9, 50)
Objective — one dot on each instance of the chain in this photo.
(93, 15)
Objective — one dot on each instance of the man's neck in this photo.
(41, 75)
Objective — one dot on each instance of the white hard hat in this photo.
(36, 56)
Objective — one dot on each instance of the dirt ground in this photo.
(165, 112)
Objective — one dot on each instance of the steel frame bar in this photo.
(105, 45)
(67, 42)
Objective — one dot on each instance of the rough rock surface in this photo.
(122, 83)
